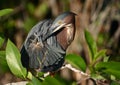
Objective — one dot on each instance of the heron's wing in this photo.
(54, 57)
(40, 28)
(26, 53)
(48, 57)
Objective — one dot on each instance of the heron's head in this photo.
(65, 24)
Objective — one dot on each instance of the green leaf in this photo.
(5, 11)
(14, 61)
(3, 62)
(1, 41)
(29, 75)
(115, 83)
(111, 65)
(97, 76)
(91, 44)
(76, 61)
(29, 83)
(111, 68)
(100, 54)
(35, 81)
(50, 80)
(62, 80)
(40, 74)
(114, 72)
(2, 55)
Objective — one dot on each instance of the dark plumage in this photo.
(45, 46)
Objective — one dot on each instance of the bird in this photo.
(45, 46)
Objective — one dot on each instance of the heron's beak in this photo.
(57, 28)
(54, 29)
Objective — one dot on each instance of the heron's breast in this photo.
(65, 37)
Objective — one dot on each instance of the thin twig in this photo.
(75, 70)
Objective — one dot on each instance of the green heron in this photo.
(45, 46)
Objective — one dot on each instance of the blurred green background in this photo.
(100, 17)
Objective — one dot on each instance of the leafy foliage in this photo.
(93, 50)
(3, 62)
(91, 43)
(111, 68)
(14, 61)
(76, 61)
(104, 67)
(35, 81)
(5, 11)
(100, 54)
(1, 41)
(50, 80)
